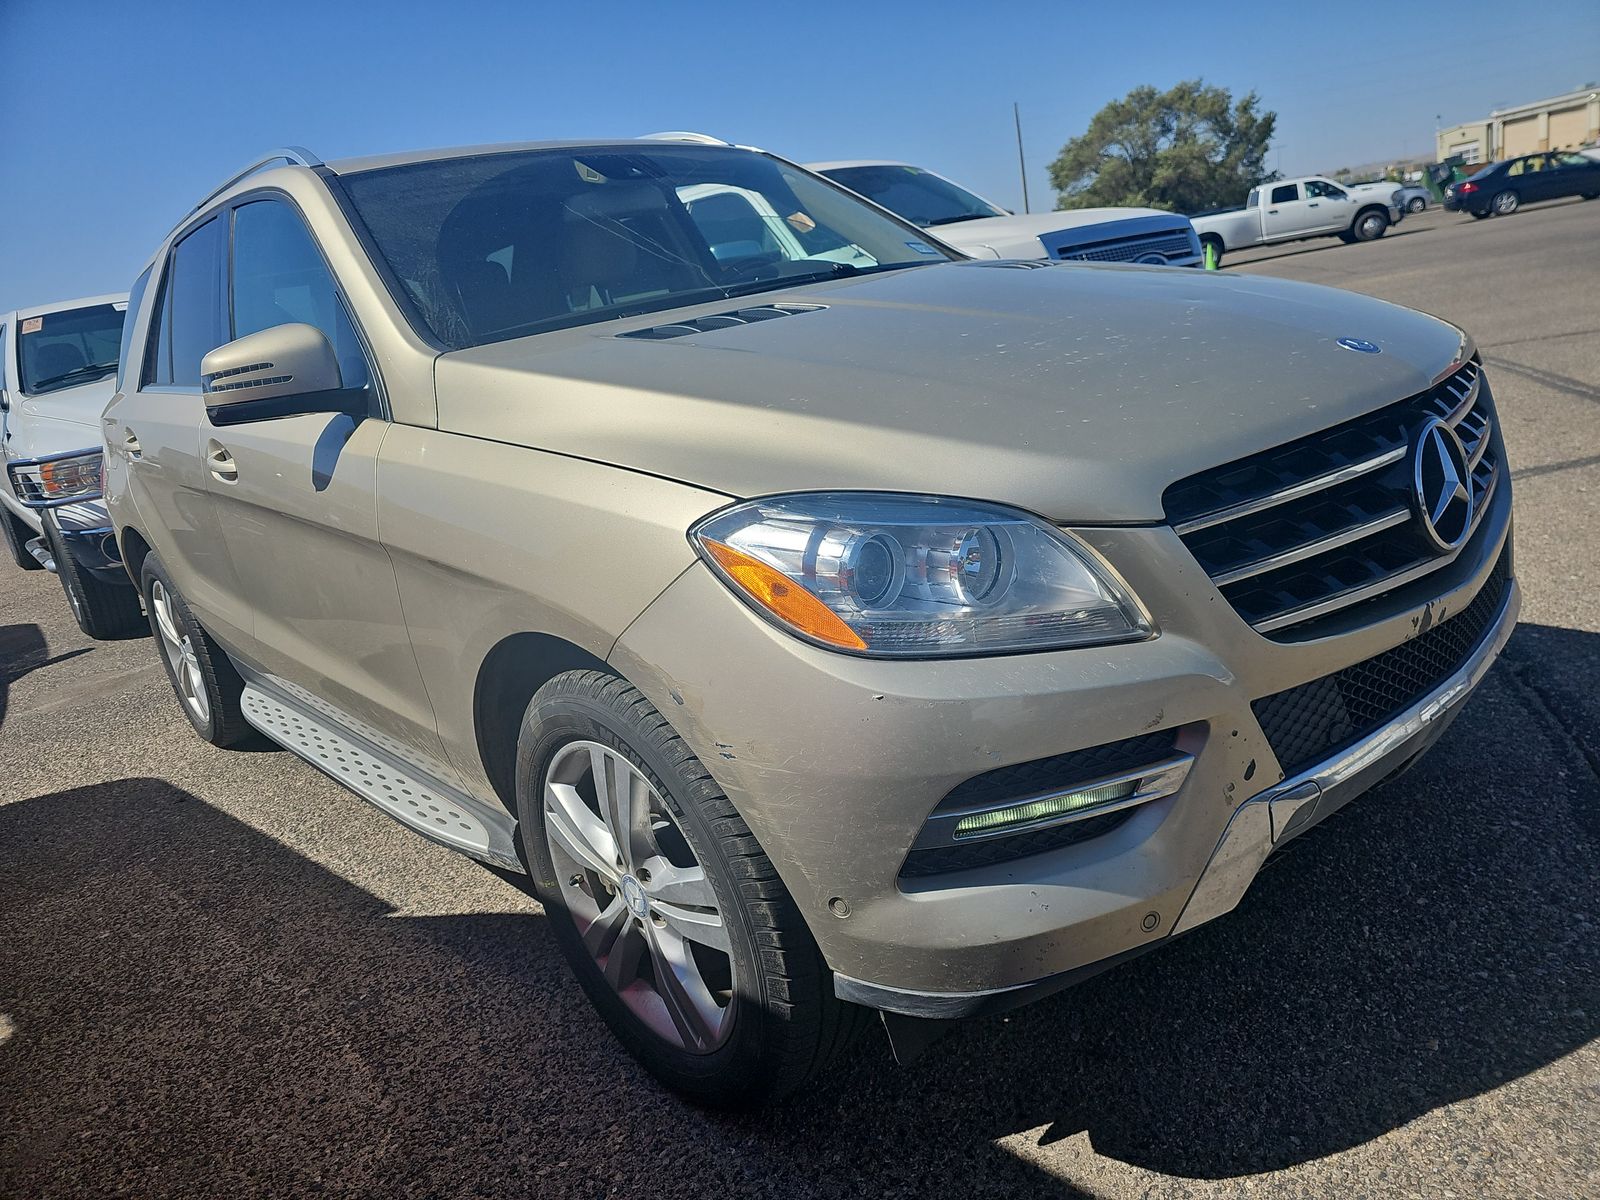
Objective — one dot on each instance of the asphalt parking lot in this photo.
(221, 974)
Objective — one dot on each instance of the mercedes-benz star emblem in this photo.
(1443, 485)
(1359, 345)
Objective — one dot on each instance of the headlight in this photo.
(915, 576)
(58, 478)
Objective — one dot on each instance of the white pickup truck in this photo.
(1291, 209)
(58, 365)
(978, 227)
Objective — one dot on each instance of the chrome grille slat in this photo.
(1311, 549)
(1320, 483)
(1303, 530)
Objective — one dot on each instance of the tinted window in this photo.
(915, 194)
(1316, 189)
(1282, 195)
(63, 349)
(503, 245)
(192, 308)
(279, 277)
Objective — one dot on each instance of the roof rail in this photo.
(684, 135)
(297, 155)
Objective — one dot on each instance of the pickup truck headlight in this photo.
(896, 576)
(58, 479)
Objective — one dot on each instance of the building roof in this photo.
(1566, 100)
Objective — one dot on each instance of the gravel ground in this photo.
(220, 974)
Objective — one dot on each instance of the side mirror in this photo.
(279, 372)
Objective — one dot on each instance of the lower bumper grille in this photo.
(1060, 772)
(1309, 723)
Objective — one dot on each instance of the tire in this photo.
(1505, 203)
(1215, 243)
(104, 611)
(742, 1026)
(1348, 238)
(1416, 204)
(1481, 216)
(1370, 225)
(1590, 195)
(198, 668)
(17, 535)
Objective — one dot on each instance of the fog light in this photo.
(997, 819)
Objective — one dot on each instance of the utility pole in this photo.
(1022, 163)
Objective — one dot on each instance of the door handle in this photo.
(1272, 212)
(223, 468)
(130, 444)
(1312, 204)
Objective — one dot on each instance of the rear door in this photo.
(1575, 175)
(153, 429)
(1286, 214)
(296, 499)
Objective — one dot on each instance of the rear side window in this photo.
(192, 322)
(1286, 193)
(279, 278)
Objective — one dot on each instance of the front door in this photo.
(1287, 213)
(296, 498)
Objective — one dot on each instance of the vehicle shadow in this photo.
(1314, 246)
(23, 649)
(188, 1007)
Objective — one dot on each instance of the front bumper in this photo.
(836, 764)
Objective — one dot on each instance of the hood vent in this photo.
(741, 316)
(1012, 264)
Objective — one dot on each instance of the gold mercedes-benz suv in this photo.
(826, 622)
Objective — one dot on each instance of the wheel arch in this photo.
(134, 550)
(1381, 209)
(514, 669)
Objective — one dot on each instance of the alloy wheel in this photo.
(177, 645)
(641, 902)
(1505, 203)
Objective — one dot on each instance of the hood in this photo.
(1022, 236)
(1077, 392)
(60, 421)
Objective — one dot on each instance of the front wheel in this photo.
(1416, 204)
(1505, 203)
(103, 610)
(667, 910)
(1370, 226)
(17, 536)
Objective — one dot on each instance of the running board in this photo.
(439, 812)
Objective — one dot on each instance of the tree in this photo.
(1187, 149)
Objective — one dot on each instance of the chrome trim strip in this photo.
(1465, 402)
(1311, 549)
(1156, 781)
(1305, 487)
(1253, 832)
(1396, 579)
(1482, 446)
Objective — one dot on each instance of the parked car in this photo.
(1405, 197)
(1293, 209)
(983, 229)
(1503, 187)
(905, 633)
(57, 369)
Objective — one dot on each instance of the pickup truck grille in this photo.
(1309, 723)
(1322, 524)
(1169, 244)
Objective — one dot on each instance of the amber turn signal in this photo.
(784, 598)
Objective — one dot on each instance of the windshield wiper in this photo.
(959, 217)
(88, 369)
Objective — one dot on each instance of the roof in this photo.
(375, 162)
(1565, 100)
(40, 310)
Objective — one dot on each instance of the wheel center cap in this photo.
(633, 896)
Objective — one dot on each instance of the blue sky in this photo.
(120, 115)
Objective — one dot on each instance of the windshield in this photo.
(915, 194)
(502, 245)
(62, 349)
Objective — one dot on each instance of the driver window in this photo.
(1285, 193)
(279, 278)
(1316, 188)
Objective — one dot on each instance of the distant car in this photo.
(58, 364)
(1503, 187)
(1405, 197)
(985, 230)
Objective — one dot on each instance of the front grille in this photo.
(1168, 244)
(1319, 525)
(1307, 724)
(1060, 772)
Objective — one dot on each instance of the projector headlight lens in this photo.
(917, 576)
